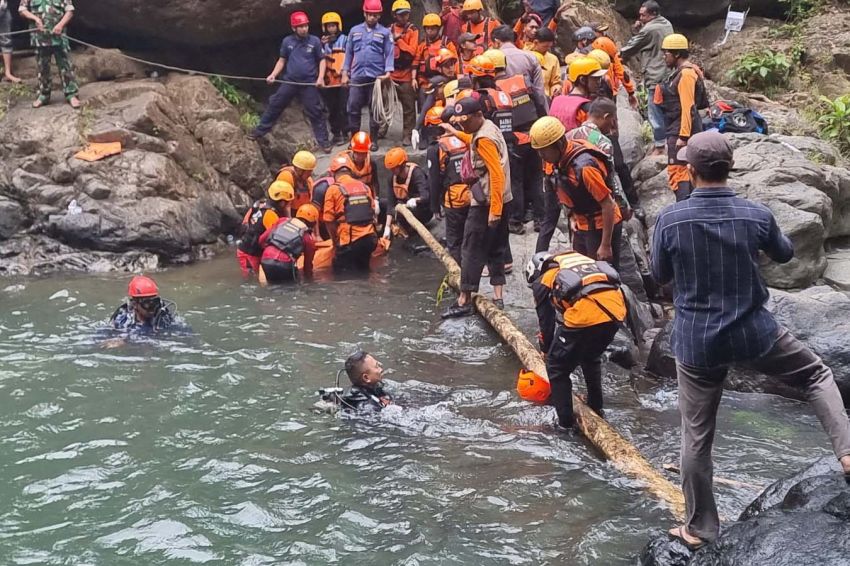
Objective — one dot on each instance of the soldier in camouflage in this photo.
(50, 17)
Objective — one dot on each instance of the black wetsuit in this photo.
(165, 319)
(360, 397)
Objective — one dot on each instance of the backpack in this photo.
(731, 117)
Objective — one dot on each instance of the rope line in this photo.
(384, 110)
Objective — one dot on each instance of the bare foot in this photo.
(12, 78)
(845, 464)
(692, 542)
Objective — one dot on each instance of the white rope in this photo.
(384, 111)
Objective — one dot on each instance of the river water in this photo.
(206, 449)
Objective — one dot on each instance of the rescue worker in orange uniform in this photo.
(409, 184)
(479, 24)
(335, 97)
(468, 49)
(577, 173)
(259, 218)
(405, 69)
(446, 184)
(285, 242)
(349, 214)
(365, 168)
(427, 52)
(586, 75)
(579, 307)
(299, 175)
(680, 96)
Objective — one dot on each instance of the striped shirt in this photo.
(709, 247)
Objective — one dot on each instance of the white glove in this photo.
(414, 139)
(387, 231)
(411, 203)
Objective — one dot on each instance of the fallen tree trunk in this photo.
(620, 451)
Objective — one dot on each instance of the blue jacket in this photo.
(338, 45)
(369, 53)
(302, 58)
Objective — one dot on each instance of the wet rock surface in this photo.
(803, 519)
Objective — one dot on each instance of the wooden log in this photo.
(622, 454)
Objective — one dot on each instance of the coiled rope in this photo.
(384, 110)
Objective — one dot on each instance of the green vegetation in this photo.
(244, 103)
(797, 10)
(10, 93)
(249, 120)
(834, 122)
(764, 71)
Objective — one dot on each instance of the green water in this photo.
(206, 449)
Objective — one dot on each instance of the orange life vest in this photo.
(585, 292)
(452, 151)
(524, 110)
(401, 189)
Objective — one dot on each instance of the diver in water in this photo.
(366, 392)
(145, 311)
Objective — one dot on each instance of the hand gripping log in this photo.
(617, 449)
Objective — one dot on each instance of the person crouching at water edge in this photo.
(144, 310)
(579, 307)
(367, 391)
(260, 217)
(349, 214)
(285, 242)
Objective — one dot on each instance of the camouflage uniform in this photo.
(48, 45)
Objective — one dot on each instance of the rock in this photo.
(690, 13)
(12, 218)
(837, 271)
(581, 13)
(631, 131)
(184, 178)
(803, 519)
(661, 360)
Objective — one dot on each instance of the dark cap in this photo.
(466, 36)
(467, 106)
(707, 149)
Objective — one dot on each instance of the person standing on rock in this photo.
(405, 68)
(709, 247)
(651, 29)
(50, 18)
(6, 41)
(334, 96)
(680, 96)
(369, 57)
(303, 64)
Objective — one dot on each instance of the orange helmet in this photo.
(605, 44)
(308, 213)
(467, 92)
(444, 56)
(141, 286)
(360, 142)
(395, 157)
(340, 162)
(434, 116)
(481, 66)
(532, 387)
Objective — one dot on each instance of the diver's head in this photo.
(144, 297)
(363, 369)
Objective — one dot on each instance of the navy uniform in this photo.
(368, 55)
(47, 45)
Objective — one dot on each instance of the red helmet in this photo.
(298, 19)
(372, 6)
(141, 286)
(360, 142)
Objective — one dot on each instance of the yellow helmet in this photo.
(585, 67)
(571, 58)
(546, 131)
(602, 57)
(675, 42)
(400, 5)
(332, 18)
(450, 89)
(304, 160)
(432, 20)
(472, 5)
(281, 190)
(497, 57)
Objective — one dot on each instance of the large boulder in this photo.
(790, 175)
(185, 175)
(804, 519)
(582, 13)
(691, 13)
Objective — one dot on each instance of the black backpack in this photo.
(728, 116)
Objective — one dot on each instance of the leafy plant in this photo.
(834, 122)
(244, 103)
(249, 120)
(762, 71)
(797, 10)
(230, 93)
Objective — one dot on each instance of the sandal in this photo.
(74, 102)
(679, 533)
(40, 101)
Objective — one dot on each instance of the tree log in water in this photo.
(620, 451)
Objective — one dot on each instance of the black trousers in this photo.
(358, 97)
(279, 271)
(586, 242)
(336, 100)
(356, 255)
(571, 348)
(551, 213)
(623, 171)
(483, 245)
(455, 222)
(526, 182)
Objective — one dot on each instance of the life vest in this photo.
(428, 65)
(565, 108)
(484, 40)
(364, 174)
(524, 110)
(452, 151)
(579, 277)
(289, 238)
(581, 201)
(668, 94)
(320, 189)
(253, 228)
(402, 189)
(335, 56)
(499, 109)
(357, 210)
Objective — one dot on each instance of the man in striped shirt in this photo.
(708, 247)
